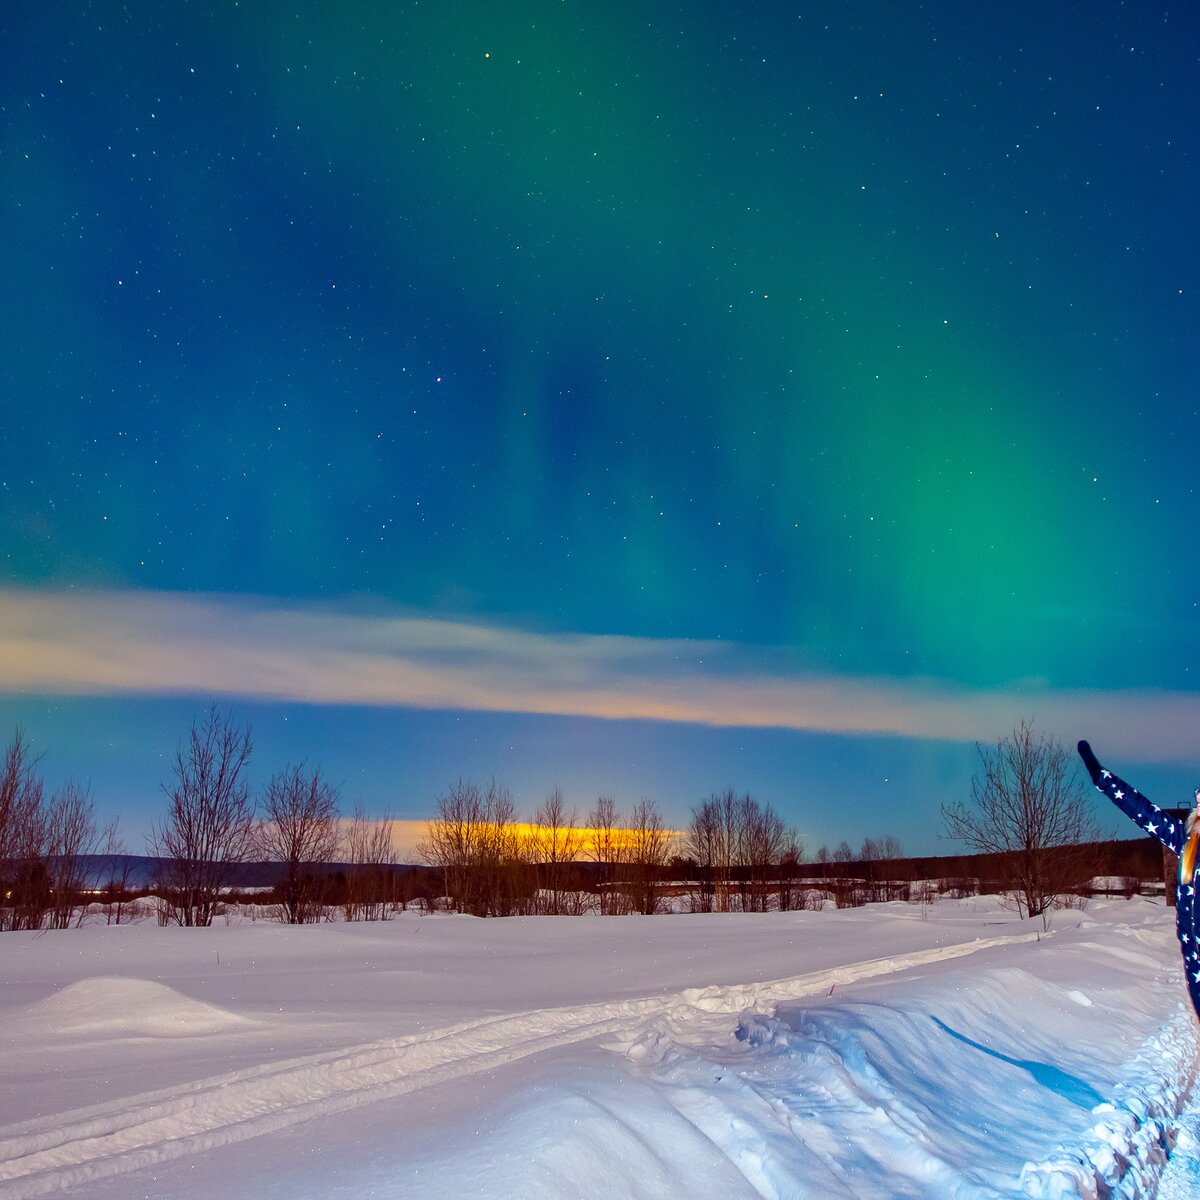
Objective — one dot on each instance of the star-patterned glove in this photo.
(1089, 761)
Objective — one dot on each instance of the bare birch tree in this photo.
(449, 840)
(603, 846)
(647, 853)
(486, 869)
(737, 844)
(1027, 803)
(300, 828)
(890, 848)
(558, 844)
(371, 886)
(713, 840)
(454, 843)
(118, 871)
(790, 855)
(24, 889)
(70, 837)
(762, 839)
(877, 857)
(209, 825)
(702, 845)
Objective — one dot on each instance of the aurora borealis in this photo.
(857, 337)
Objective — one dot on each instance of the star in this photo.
(1106, 774)
(1151, 828)
(1118, 795)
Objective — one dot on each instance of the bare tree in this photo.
(737, 845)
(842, 853)
(763, 837)
(557, 844)
(118, 871)
(714, 841)
(703, 845)
(300, 829)
(1027, 804)
(20, 790)
(209, 825)
(890, 848)
(70, 837)
(647, 853)
(451, 839)
(603, 846)
(371, 886)
(873, 856)
(24, 887)
(486, 866)
(507, 866)
(789, 867)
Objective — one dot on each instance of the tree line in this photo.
(43, 840)
(212, 824)
(734, 854)
(493, 865)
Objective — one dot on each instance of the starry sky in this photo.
(639, 398)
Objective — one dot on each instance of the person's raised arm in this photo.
(1133, 804)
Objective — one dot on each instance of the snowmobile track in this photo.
(75, 1148)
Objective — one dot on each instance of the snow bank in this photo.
(869, 1054)
(1123, 1156)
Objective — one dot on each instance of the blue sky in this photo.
(775, 397)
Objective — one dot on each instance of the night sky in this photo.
(643, 398)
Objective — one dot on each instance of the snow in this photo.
(1181, 1179)
(878, 1053)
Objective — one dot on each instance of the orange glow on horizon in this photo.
(533, 837)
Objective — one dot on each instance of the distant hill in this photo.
(140, 871)
(1139, 857)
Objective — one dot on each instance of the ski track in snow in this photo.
(68, 1149)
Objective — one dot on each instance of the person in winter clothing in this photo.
(1181, 838)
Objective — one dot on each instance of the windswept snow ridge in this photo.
(1125, 1153)
(47, 1155)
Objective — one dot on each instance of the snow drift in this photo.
(874, 1054)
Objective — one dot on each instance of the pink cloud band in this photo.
(100, 643)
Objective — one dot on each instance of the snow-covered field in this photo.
(885, 1052)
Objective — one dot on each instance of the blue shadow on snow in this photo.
(1070, 1087)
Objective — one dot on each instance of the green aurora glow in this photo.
(863, 329)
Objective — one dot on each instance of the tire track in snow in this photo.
(68, 1149)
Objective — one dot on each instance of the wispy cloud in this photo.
(145, 643)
